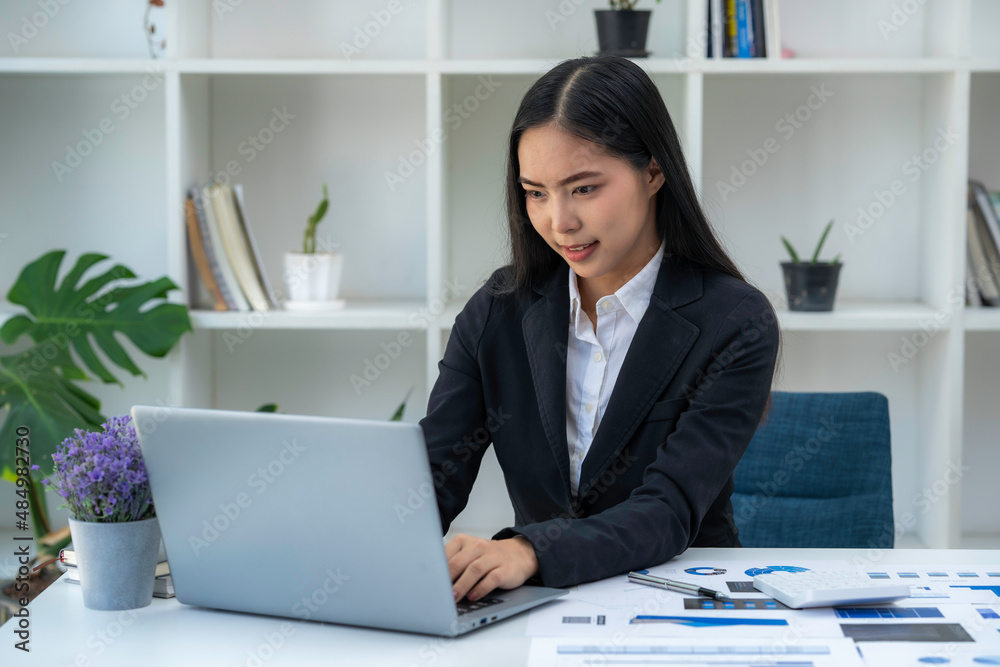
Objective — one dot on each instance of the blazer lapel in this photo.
(661, 341)
(545, 326)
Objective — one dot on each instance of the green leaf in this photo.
(71, 316)
(43, 400)
(37, 386)
(268, 407)
(398, 414)
(821, 240)
(315, 218)
(791, 250)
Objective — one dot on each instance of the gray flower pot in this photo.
(117, 562)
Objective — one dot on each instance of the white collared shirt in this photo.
(594, 360)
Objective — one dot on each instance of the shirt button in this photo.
(589, 407)
(606, 305)
(598, 356)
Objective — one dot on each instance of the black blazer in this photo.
(658, 476)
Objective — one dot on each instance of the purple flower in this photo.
(101, 474)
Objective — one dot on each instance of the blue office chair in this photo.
(817, 473)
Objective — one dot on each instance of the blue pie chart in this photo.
(754, 571)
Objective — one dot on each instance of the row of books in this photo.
(163, 585)
(983, 248)
(743, 28)
(223, 248)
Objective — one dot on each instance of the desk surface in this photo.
(64, 632)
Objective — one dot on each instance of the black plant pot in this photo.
(811, 286)
(622, 32)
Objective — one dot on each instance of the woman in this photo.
(619, 364)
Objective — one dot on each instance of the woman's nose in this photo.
(564, 219)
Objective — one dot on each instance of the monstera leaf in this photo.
(37, 386)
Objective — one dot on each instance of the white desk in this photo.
(64, 632)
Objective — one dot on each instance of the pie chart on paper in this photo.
(754, 571)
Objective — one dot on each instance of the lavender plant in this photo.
(101, 475)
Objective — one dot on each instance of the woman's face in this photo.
(576, 194)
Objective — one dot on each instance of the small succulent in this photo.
(623, 4)
(795, 256)
(309, 242)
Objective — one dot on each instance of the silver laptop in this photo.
(315, 518)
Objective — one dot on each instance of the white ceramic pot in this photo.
(313, 277)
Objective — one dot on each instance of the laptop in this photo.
(314, 518)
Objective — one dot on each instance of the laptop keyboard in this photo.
(464, 606)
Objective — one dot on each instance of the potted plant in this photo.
(811, 285)
(622, 29)
(43, 394)
(313, 278)
(113, 526)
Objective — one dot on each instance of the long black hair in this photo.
(610, 101)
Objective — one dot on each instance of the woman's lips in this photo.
(580, 255)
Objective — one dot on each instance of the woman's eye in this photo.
(529, 193)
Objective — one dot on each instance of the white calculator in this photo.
(825, 589)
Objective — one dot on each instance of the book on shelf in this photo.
(224, 249)
(981, 283)
(237, 247)
(983, 246)
(744, 31)
(208, 269)
(163, 584)
(212, 238)
(258, 263)
(743, 28)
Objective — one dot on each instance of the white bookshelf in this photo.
(415, 253)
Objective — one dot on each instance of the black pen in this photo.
(677, 586)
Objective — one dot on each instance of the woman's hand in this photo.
(477, 566)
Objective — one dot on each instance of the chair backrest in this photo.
(818, 473)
